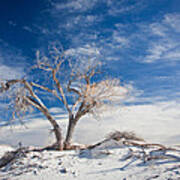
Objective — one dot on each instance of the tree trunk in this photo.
(71, 127)
(57, 130)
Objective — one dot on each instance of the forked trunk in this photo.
(57, 130)
(71, 127)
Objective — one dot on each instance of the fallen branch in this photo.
(12, 155)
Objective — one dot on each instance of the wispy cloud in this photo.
(86, 50)
(79, 21)
(146, 42)
(163, 44)
(173, 20)
(12, 23)
(117, 8)
(27, 28)
(71, 16)
(11, 65)
(75, 6)
(8, 72)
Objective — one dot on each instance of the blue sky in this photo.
(137, 40)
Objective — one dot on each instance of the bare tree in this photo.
(79, 92)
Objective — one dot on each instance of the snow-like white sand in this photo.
(156, 123)
(109, 161)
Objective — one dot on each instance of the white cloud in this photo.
(162, 41)
(116, 11)
(27, 28)
(113, 47)
(56, 110)
(8, 72)
(144, 42)
(157, 41)
(110, 46)
(156, 51)
(86, 50)
(10, 59)
(173, 20)
(79, 21)
(76, 6)
(85, 56)
(12, 23)
(175, 55)
(118, 40)
(114, 7)
(133, 93)
(158, 29)
(119, 7)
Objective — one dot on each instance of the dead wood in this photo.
(117, 135)
(12, 155)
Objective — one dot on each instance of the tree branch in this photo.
(46, 89)
(60, 89)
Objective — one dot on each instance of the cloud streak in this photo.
(164, 45)
(75, 6)
(11, 65)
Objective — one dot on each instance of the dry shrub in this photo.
(117, 135)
